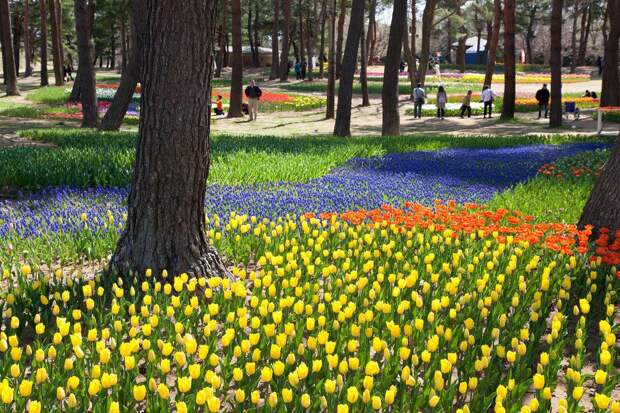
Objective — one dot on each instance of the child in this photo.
(219, 108)
(466, 106)
(442, 100)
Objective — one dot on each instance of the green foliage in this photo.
(87, 158)
(49, 95)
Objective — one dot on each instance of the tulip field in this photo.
(364, 276)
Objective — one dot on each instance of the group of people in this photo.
(300, 70)
(252, 93)
(441, 100)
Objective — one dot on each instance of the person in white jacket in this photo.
(487, 98)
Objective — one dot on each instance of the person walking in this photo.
(253, 94)
(418, 100)
(487, 98)
(466, 106)
(297, 70)
(542, 96)
(442, 99)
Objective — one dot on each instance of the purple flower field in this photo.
(462, 174)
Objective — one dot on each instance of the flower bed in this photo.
(276, 102)
(531, 104)
(73, 111)
(390, 309)
(587, 164)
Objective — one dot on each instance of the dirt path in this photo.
(367, 121)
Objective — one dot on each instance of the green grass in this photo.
(87, 158)
(49, 95)
(20, 110)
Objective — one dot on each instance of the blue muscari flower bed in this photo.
(462, 174)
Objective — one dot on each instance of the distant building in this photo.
(472, 55)
(264, 55)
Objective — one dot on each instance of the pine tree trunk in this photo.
(61, 47)
(10, 75)
(88, 93)
(364, 68)
(602, 209)
(370, 38)
(389, 94)
(251, 39)
(123, 39)
(130, 77)
(43, 41)
(166, 217)
(414, 31)
(342, 15)
(27, 40)
(555, 118)
(286, 40)
(310, 42)
(409, 56)
(56, 57)
(223, 41)
(427, 26)
(585, 34)
(330, 108)
(75, 90)
(302, 54)
(573, 41)
(610, 95)
(322, 41)
(492, 44)
(275, 27)
(17, 27)
(236, 84)
(508, 108)
(345, 89)
(460, 49)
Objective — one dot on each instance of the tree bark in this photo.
(166, 217)
(372, 31)
(340, 40)
(286, 38)
(27, 40)
(409, 56)
(389, 94)
(251, 38)
(529, 33)
(492, 45)
(427, 26)
(364, 67)
(302, 56)
(573, 40)
(414, 31)
(236, 84)
(88, 92)
(610, 95)
(10, 74)
(17, 27)
(322, 41)
(310, 23)
(586, 23)
(602, 208)
(331, 64)
(345, 89)
(508, 107)
(123, 35)
(130, 77)
(275, 27)
(555, 118)
(460, 49)
(43, 41)
(56, 54)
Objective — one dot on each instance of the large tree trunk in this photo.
(251, 38)
(331, 64)
(302, 56)
(427, 26)
(555, 118)
(88, 92)
(286, 39)
(310, 38)
(130, 77)
(610, 95)
(414, 31)
(223, 41)
(602, 209)
(389, 94)
(10, 75)
(492, 44)
(56, 54)
(123, 39)
(339, 42)
(43, 42)
(27, 40)
(508, 108)
(345, 89)
(275, 27)
(165, 227)
(236, 83)
(364, 68)
(460, 49)
(573, 39)
(529, 33)
(372, 31)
